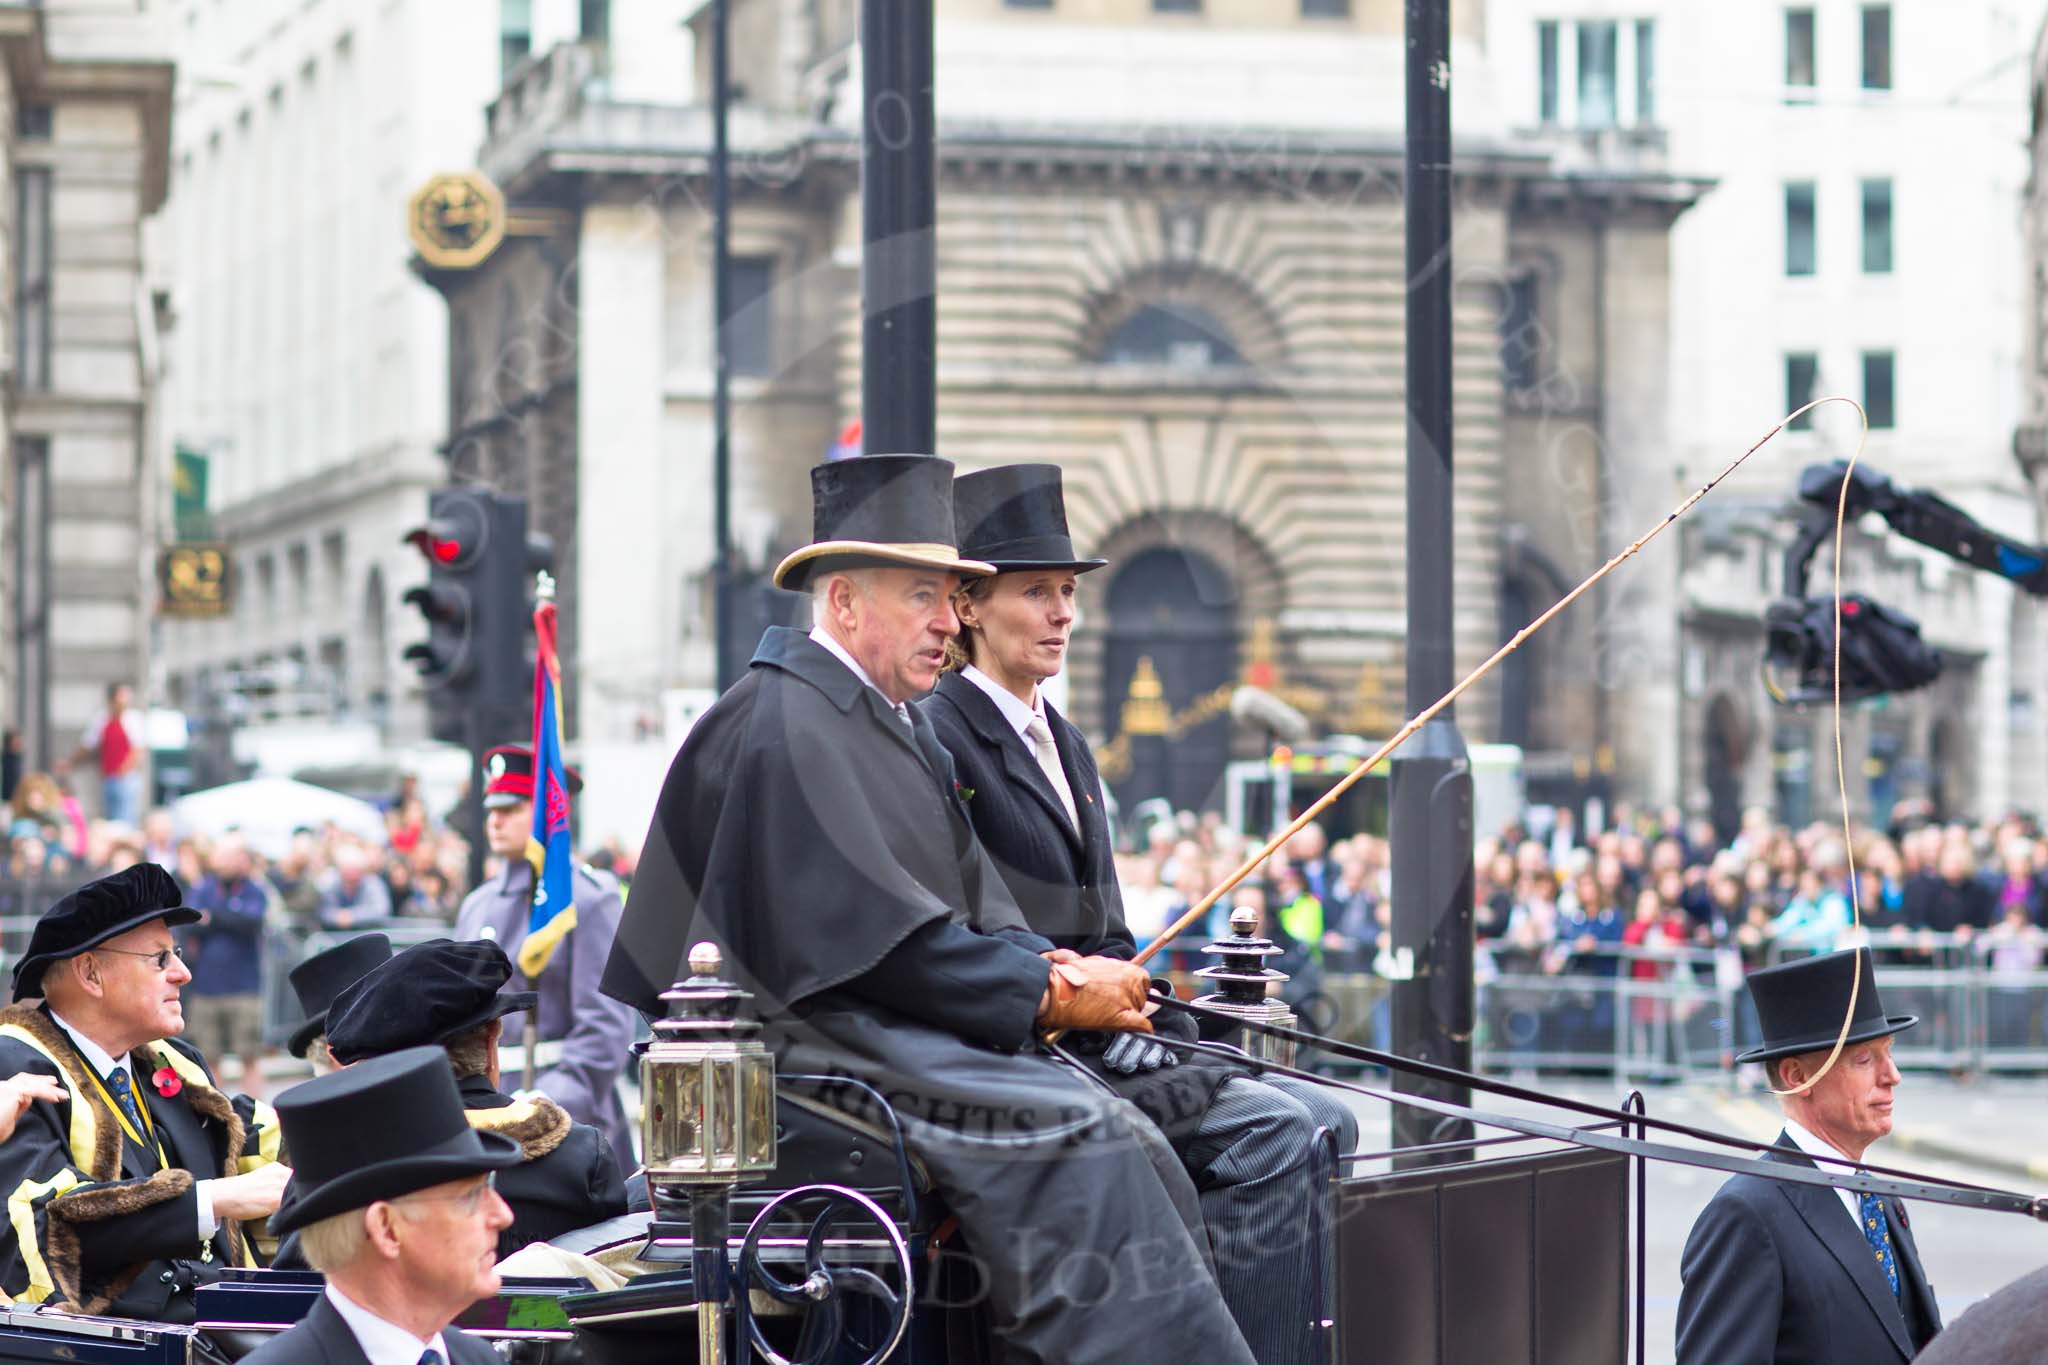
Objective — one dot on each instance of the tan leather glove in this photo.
(1096, 993)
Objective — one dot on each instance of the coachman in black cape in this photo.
(816, 837)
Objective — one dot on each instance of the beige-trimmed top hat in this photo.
(879, 510)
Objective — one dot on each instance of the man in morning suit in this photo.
(811, 827)
(1249, 1142)
(1783, 1274)
(448, 995)
(394, 1204)
(130, 1191)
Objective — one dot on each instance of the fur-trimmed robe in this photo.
(94, 1220)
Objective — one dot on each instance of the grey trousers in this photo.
(1258, 1171)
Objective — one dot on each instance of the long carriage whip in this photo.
(1201, 908)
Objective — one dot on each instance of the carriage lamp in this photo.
(707, 1123)
(1244, 986)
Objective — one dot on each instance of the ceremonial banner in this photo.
(554, 903)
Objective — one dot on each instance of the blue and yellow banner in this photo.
(548, 847)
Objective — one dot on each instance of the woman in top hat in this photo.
(1032, 792)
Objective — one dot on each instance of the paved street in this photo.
(1968, 1254)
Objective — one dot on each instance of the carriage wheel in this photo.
(823, 1287)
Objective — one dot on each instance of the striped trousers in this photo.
(1257, 1169)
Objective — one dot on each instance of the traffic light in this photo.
(475, 664)
(452, 541)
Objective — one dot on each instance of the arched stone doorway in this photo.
(1727, 749)
(1944, 757)
(1170, 650)
(375, 670)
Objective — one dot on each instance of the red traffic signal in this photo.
(454, 537)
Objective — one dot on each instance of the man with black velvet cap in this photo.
(394, 1204)
(812, 827)
(320, 978)
(448, 994)
(131, 1190)
(1782, 1274)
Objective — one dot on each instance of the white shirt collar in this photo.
(1014, 710)
(1814, 1146)
(384, 1343)
(102, 1060)
(838, 651)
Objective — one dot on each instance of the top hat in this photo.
(1801, 1004)
(96, 912)
(879, 510)
(321, 977)
(383, 1128)
(508, 776)
(1015, 517)
(429, 993)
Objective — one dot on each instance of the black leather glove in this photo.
(1132, 1053)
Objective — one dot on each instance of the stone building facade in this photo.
(85, 118)
(1193, 304)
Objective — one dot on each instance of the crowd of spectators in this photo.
(1550, 899)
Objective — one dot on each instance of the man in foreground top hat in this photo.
(1792, 1274)
(132, 1190)
(812, 828)
(585, 1035)
(447, 994)
(320, 978)
(394, 1204)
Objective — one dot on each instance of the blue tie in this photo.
(430, 1357)
(1877, 1231)
(124, 1095)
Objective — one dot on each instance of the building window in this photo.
(32, 277)
(1646, 72)
(1546, 62)
(1877, 227)
(1880, 400)
(1521, 335)
(750, 316)
(1597, 42)
(1180, 336)
(1800, 247)
(1027, 4)
(33, 122)
(1877, 47)
(1326, 9)
(1176, 6)
(594, 21)
(515, 34)
(1802, 372)
(32, 599)
(1799, 50)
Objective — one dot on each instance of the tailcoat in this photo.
(815, 834)
(323, 1337)
(98, 1220)
(1779, 1274)
(590, 1033)
(1249, 1143)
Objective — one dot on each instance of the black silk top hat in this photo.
(383, 1128)
(879, 510)
(96, 912)
(321, 977)
(1801, 1004)
(429, 993)
(1015, 517)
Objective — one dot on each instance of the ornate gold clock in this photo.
(456, 220)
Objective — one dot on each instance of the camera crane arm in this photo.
(1932, 521)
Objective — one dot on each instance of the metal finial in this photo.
(543, 586)
(1244, 920)
(706, 960)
